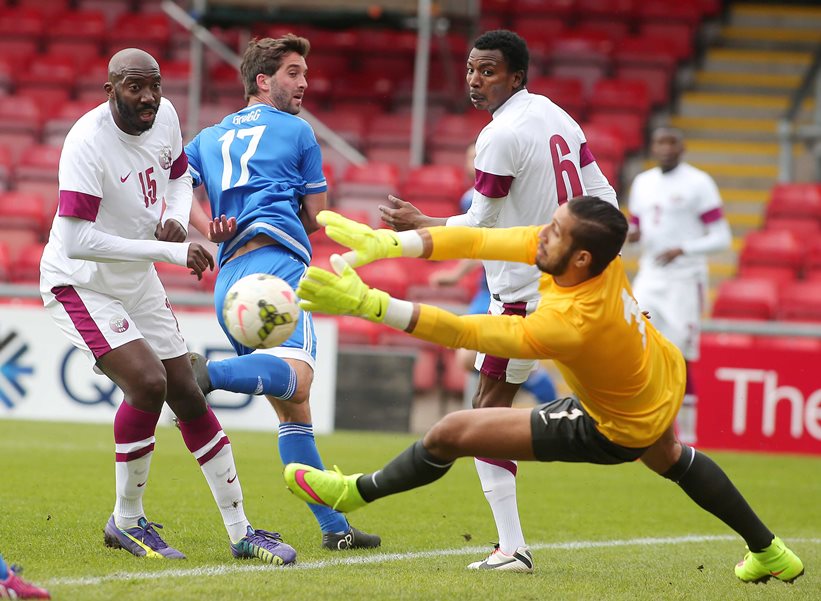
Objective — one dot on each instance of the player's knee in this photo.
(151, 389)
(304, 381)
(444, 439)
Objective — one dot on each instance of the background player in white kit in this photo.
(676, 214)
(531, 158)
(119, 162)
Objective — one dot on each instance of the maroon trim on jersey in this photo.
(586, 155)
(179, 166)
(82, 320)
(712, 215)
(491, 185)
(502, 463)
(79, 204)
(634, 220)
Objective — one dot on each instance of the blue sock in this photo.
(541, 386)
(297, 445)
(256, 373)
(4, 573)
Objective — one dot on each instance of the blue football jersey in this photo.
(256, 165)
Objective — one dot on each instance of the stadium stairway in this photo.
(729, 113)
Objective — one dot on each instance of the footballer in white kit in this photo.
(531, 158)
(679, 209)
(677, 216)
(98, 280)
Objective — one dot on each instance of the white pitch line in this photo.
(222, 570)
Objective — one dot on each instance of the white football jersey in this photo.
(117, 181)
(534, 154)
(671, 209)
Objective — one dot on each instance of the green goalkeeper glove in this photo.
(366, 244)
(341, 293)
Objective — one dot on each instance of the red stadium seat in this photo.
(435, 183)
(20, 114)
(176, 276)
(26, 267)
(48, 71)
(779, 275)
(615, 97)
(76, 25)
(350, 125)
(149, 31)
(390, 276)
(746, 299)
(371, 180)
(804, 229)
(458, 131)
(22, 22)
(799, 201)
(38, 163)
(685, 12)
(5, 167)
(773, 248)
(812, 262)
(355, 330)
(59, 123)
(390, 130)
(605, 142)
(426, 370)
(631, 125)
(568, 93)
(678, 37)
(564, 9)
(23, 211)
(800, 301)
(5, 262)
(577, 47)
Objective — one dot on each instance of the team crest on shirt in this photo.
(165, 157)
(118, 324)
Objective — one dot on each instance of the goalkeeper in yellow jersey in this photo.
(628, 379)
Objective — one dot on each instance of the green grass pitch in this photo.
(596, 532)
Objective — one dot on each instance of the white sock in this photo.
(221, 474)
(499, 486)
(130, 479)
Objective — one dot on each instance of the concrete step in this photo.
(746, 83)
(770, 37)
(772, 15)
(767, 62)
(745, 196)
(750, 106)
(750, 153)
(727, 128)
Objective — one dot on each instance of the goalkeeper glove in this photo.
(341, 293)
(366, 244)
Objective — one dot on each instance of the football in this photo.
(260, 311)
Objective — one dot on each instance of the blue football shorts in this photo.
(279, 261)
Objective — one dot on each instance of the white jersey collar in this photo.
(517, 99)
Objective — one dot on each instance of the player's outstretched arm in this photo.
(368, 245)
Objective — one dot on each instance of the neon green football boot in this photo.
(330, 488)
(776, 561)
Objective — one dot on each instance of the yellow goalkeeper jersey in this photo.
(629, 378)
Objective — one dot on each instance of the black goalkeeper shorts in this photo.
(563, 431)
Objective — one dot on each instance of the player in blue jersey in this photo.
(262, 170)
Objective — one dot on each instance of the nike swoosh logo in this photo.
(122, 179)
(141, 484)
(231, 480)
(299, 476)
(778, 572)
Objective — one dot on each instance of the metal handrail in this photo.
(788, 133)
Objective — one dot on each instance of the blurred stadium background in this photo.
(386, 97)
